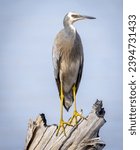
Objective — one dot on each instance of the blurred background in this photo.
(27, 85)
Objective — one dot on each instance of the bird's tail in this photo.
(68, 100)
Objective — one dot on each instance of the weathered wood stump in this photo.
(83, 136)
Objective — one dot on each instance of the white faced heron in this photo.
(68, 64)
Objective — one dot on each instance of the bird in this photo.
(68, 59)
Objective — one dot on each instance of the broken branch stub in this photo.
(83, 136)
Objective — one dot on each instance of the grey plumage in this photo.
(68, 57)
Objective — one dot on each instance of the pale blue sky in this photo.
(27, 85)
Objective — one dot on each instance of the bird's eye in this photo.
(74, 16)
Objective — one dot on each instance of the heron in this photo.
(68, 58)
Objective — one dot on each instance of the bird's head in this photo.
(72, 17)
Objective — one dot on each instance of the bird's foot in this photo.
(62, 125)
(75, 118)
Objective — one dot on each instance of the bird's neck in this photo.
(70, 29)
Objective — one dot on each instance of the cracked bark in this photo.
(84, 136)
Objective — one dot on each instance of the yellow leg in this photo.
(75, 113)
(61, 123)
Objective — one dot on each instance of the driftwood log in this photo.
(83, 136)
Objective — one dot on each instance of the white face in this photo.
(71, 16)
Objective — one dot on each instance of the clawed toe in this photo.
(62, 125)
(75, 117)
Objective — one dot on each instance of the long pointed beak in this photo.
(87, 17)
